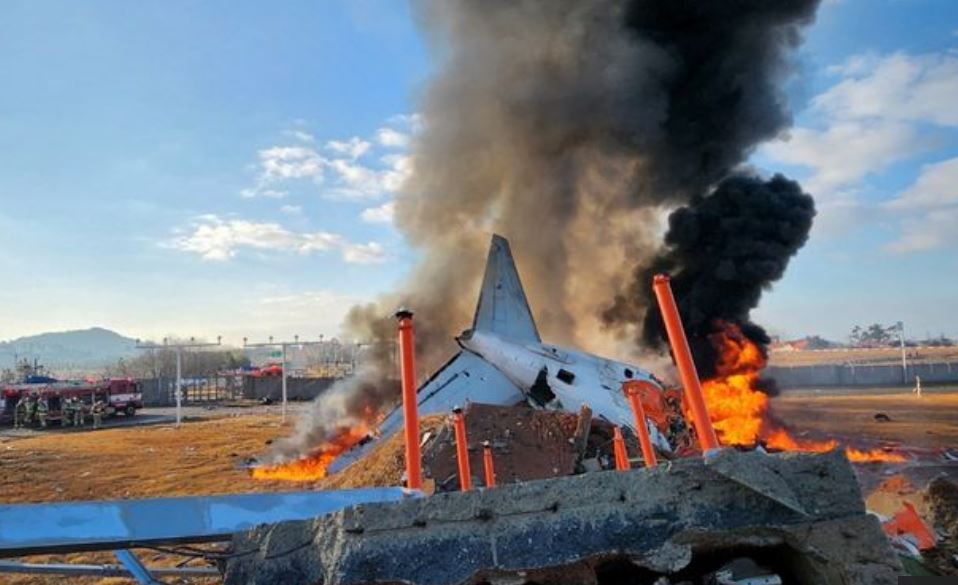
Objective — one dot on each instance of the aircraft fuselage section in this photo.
(559, 378)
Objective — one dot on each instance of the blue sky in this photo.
(226, 167)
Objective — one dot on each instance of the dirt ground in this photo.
(928, 422)
(206, 457)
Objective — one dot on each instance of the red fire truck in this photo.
(119, 395)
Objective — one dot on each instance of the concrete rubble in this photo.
(798, 515)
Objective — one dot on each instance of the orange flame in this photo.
(739, 410)
(314, 466)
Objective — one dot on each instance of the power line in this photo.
(284, 345)
(178, 348)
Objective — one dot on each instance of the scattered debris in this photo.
(882, 417)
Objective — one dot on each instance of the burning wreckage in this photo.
(727, 516)
(704, 514)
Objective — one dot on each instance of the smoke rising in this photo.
(722, 251)
(571, 127)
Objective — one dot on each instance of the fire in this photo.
(739, 410)
(313, 466)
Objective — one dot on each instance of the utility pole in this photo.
(283, 345)
(178, 348)
(904, 361)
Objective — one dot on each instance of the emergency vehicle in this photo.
(121, 395)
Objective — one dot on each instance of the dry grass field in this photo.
(202, 457)
(885, 355)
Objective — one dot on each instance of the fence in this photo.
(161, 391)
(825, 375)
(296, 388)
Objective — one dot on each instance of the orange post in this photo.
(618, 447)
(407, 360)
(633, 390)
(683, 359)
(487, 464)
(462, 449)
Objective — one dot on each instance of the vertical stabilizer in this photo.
(503, 308)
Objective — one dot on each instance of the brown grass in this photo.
(883, 355)
(929, 422)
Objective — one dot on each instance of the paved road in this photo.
(165, 415)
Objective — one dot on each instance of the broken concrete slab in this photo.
(677, 520)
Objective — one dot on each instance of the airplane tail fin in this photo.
(503, 308)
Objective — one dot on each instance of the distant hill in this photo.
(69, 349)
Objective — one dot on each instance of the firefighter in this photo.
(98, 408)
(31, 411)
(42, 409)
(69, 412)
(78, 420)
(20, 413)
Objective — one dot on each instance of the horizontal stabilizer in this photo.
(464, 378)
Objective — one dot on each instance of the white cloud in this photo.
(897, 87)
(355, 147)
(882, 111)
(290, 162)
(215, 238)
(300, 135)
(929, 209)
(936, 186)
(345, 168)
(380, 214)
(392, 138)
(412, 121)
(271, 193)
(292, 209)
(370, 253)
(935, 229)
(845, 152)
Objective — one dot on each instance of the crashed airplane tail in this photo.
(502, 308)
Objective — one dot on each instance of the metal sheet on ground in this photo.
(106, 525)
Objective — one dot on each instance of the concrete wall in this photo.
(861, 375)
(296, 388)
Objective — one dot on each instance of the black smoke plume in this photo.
(722, 251)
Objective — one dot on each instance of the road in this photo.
(158, 416)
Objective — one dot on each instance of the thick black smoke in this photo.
(722, 251)
(723, 86)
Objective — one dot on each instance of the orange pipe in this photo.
(683, 360)
(633, 390)
(462, 449)
(618, 447)
(487, 464)
(407, 361)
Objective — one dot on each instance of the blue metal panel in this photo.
(107, 525)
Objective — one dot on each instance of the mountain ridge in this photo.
(94, 346)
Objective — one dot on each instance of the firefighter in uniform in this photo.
(42, 409)
(20, 413)
(98, 408)
(69, 412)
(31, 411)
(78, 416)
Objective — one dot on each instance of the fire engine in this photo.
(119, 395)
